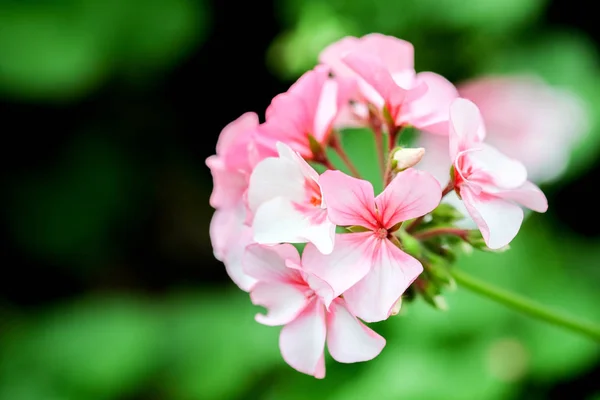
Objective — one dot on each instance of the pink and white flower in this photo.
(285, 199)
(530, 121)
(305, 112)
(383, 67)
(304, 305)
(366, 266)
(491, 185)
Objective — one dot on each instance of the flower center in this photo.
(313, 192)
(382, 233)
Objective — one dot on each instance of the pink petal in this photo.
(349, 262)
(332, 55)
(326, 111)
(498, 220)
(232, 131)
(275, 177)
(349, 201)
(224, 225)
(302, 341)
(466, 126)
(284, 302)
(374, 72)
(505, 172)
(233, 259)
(411, 194)
(268, 263)
(528, 195)
(348, 339)
(431, 112)
(436, 160)
(228, 185)
(373, 298)
(281, 220)
(396, 54)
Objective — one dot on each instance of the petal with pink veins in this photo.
(466, 126)
(268, 263)
(348, 263)
(498, 220)
(350, 201)
(281, 220)
(302, 341)
(411, 194)
(284, 302)
(348, 339)
(505, 172)
(373, 298)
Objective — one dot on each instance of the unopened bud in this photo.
(446, 214)
(396, 309)
(404, 158)
(410, 244)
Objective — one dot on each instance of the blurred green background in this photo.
(110, 290)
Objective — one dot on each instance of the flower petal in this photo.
(505, 172)
(431, 112)
(302, 341)
(267, 263)
(228, 185)
(466, 126)
(274, 177)
(528, 195)
(412, 193)
(348, 339)
(284, 302)
(373, 298)
(349, 262)
(232, 131)
(234, 257)
(498, 220)
(225, 225)
(349, 201)
(280, 220)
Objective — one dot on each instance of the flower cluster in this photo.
(322, 252)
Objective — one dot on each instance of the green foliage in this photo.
(62, 49)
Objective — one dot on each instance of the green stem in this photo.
(525, 305)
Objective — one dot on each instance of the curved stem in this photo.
(525, 305)
(337, 147)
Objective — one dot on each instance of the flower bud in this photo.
(445, 214)
(404, 158)
(410, 244)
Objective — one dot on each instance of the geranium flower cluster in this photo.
(322, 252)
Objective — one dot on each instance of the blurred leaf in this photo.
(67, 212)
(217, 348)
(359, 144)
(62, 49)
(99, 347)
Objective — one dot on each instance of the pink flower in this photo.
(530, 121)
(491, 185)
(298, 300)
(367, 266)
(384, 68)
(307, 110)
(237, 153)
(285, 198)
(229, 237)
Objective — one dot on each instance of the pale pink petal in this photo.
(284, 302)
(374, 72)
(505, 172)
(234, 258)
(528, 195)
(286, 152)
(348, 339)
(349, 262)
(302, 341)
(373, 297)
(466, 126)
(498, 220)
(326, 111)
(225, 225)
(396, 54)
(281, 220)
(268, 263)
(228, 185)
(436, 160)
(431, 112)
(232, 131)
(350, 201)
(411, 194)
(274, 177)
(332, 55)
